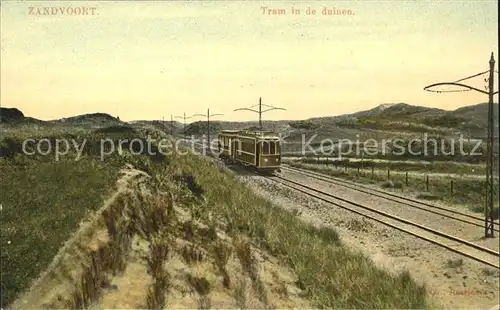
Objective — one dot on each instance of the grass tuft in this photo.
(240, 294)
(222, 255)
(202, 287)
(192, 254)
(159, 250)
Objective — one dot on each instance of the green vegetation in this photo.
(43, 202)
(392, 125)
(307, 124)
(200, 128)
(430, 167)
(446, 120)
(438, 149)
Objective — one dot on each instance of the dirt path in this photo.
(453, 281)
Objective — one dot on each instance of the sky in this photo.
(148, 60)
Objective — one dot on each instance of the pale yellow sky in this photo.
(146, 60)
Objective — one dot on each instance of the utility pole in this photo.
(498, 124)
(208, 124)
(270, 108)
(489, 203)
(185, 118)
(171, 125)
(488, 212)
(260, 113)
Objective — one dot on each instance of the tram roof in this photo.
(261, 134)
(258, 134)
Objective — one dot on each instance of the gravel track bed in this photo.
(447, 225)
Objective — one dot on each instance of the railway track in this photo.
(457, 245)
(452, 243)
(406, 201)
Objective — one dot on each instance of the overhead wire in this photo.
(459, 90)
(469, 77)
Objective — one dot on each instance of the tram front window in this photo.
(272, 148)
(265, 147)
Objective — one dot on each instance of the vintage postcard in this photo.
(249, 154)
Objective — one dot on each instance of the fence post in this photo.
(358, 171)
(451, 188)
(406, 178)
(372, 172)
(318, 160)
(388, 173)
(427, 183)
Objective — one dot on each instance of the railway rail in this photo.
(445, 212)
(457, 245)
(463, 247)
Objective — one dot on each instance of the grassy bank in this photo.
(332, 275)
(43, 201)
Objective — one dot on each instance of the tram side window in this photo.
(247, 146)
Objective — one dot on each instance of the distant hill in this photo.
(405, 117)
(385, 120)
(474, 118)
(14, 120)
(396, 110)
(15, 116)
(11, 114)
(91, 119)
(160, 125)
